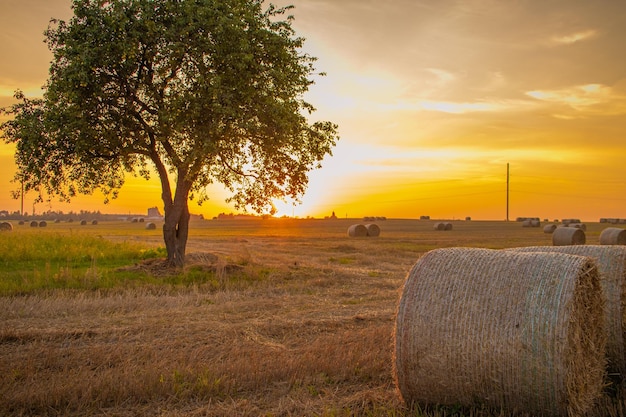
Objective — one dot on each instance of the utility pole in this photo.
(507, 191)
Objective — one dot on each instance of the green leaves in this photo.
(210, 90)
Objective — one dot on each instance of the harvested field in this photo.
(296, 320)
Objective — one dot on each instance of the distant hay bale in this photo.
(613, 236)
(134, 220)
(357, 230)
(372, 230)
(6, 227)
(150, 226)
(43, 223)
(531, 223)
(564, 236)
(94, 222)
(442, 226)
(611, 262)
(83, 222)
(521, 332)
(581, 226)
(549, 228)
(141, 220)
(34, 223)
(567, 222)
(21, 222)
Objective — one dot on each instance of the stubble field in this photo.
(275, 317)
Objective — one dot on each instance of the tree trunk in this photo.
(175, 233)
(176, 226)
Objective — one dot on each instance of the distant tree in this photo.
(203, 91)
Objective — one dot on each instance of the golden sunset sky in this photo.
(432, 99)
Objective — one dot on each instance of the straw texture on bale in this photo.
(357, 230)
(611, 263)
(564, 236)
(549, 228)
(6, 227)
(372, 230)
(503, 329)
(613, 236)
(150, 226)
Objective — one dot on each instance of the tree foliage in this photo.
(201, 91)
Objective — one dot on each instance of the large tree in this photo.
(198, 91)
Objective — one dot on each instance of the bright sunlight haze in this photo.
(432, 99)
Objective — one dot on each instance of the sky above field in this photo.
(433, 99)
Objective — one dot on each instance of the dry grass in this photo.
(309, 332)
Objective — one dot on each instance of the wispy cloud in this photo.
(589, 98)
(574, 37)
(457, 108)
(8, 90)
(443, 77)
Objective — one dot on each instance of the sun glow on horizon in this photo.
(432, 101)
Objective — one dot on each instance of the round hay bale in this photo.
(439, 226)
(21, 222)
(564, 236)
(372, 230)
(613, 236)
(549, 228)
(531, 223)
(134, 220)
(34, 223)
(357, 230)
(83, 222)
(521, 332)
(447, 226)
(6, 227)
(141, 220)
(94, 222)
(581, 226)
(150, 226)
(43, 223)
(611, 262)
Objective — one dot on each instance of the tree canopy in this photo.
(202, 91)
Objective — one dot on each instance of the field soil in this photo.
(297, 321)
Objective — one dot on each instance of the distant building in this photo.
(154, 212)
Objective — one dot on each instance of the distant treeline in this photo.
(62, 216)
